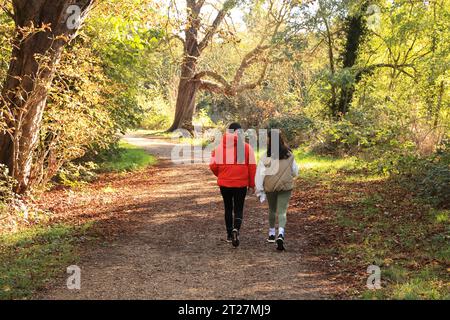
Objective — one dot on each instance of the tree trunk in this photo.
(30, 74)
(333, 99)
(355, 31)
(25, 90)
(438, 104)
(187, 91)
(188, 86)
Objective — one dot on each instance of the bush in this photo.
(428, 177)
(436, 184)
(298, 129)
(7, 184)
(72, 174)
(355, 133)
(203, 119)
(158, 115)
(14, 211)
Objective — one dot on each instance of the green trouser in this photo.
(278, 202)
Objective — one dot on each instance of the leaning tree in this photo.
(42, 30)
(198, 35)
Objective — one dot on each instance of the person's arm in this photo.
(213, 164)
(294, 168)
(251, 167)
(259, 177)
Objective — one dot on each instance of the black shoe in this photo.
(229, 238)
(235, 237)
(280, 243)
(271, 239)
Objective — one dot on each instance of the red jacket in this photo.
(229, 170)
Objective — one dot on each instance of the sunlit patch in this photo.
(109, 189)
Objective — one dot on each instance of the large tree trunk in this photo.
(187, 88)
(23, 81)
(34, 56)
(187, 91)
(333, 99)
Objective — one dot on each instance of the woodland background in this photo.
(359, 88)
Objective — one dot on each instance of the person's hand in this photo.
(251, 190)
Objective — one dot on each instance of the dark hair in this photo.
(234, 126)
(284, 150)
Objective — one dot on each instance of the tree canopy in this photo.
(347, 74)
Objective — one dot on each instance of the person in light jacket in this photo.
(274, 179)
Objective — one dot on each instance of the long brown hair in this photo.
(284, 150)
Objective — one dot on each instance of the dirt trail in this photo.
(178, 249)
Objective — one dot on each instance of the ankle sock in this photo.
(271, 232)
(281, 231)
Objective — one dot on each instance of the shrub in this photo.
(7, 184)
(14, 211)
(355, 133)
(203, 119)
(73, 174)
(158, 115)
(298, 129)
(436, 184)
(428, 177)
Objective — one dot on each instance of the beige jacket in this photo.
(275, 175)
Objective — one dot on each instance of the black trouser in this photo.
(233, 198)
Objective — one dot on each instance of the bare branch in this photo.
(211, 87)
(250, 86)
(399, 68)
(248, 60)
(7, 11)
(223, 87)
(228, 5)
(199, 5)
(213, 75)
(177, 37)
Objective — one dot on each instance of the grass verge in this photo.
(128, 158)
(370, 219)
(29, 259)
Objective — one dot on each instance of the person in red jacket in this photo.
(233, 163)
